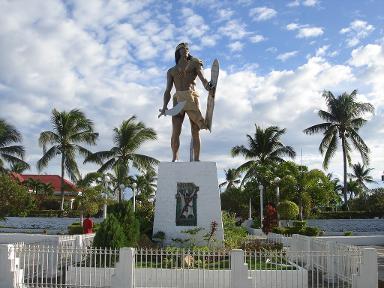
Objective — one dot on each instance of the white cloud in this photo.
(285, 56)
(262, 13)
(234, 30)
(225, 14)
(257, 38)
(236, 46)
(321, 52)
(308, 3)
(356, 31)
(305, 31)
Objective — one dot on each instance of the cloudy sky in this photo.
(109, 59)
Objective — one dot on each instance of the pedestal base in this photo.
(188, 198)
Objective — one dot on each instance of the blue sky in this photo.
(109, 59)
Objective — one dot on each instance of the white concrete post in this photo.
(239, 270)
(261, 205)
(10, 273)
(368, 273)
(124, 276)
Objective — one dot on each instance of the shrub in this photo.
(299, 224)
(348, 233)
(287, 210)
(129, 223)
(75, 228)
(256, 223)
(270, 219)
(14, 198)
(233, 235)
(110, 234)
(307, 231)
(50, 204)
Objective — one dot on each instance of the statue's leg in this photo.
(196, 140)
(177, 122)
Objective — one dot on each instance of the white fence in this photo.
(295, 266)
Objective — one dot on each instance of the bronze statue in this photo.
(183, 76)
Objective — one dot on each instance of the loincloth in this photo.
(192, 107)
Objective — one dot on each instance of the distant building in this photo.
(70, 189)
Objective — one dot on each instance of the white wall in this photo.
(202, 174)
(373, 240)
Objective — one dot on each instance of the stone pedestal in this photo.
(187, 197)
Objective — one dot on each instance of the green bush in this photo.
(14, 198)
(299, 224)
(50, 204)
(256, 223)
(350, 214)
(129, 223)
(287, 210)
(110, 234)
(233, 235)
(348, 233)
(307, 231)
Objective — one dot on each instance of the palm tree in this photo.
(70, 129)
(128, 138)
(264, 148)
(145, 185)
(231, 178)
(361, 174)
(10, 153)
(343, 120)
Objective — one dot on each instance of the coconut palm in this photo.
(343, 121)
(264, 148)
(128, 139)
(231, 178)
(70, 129)
(10, 153)
(361, 174)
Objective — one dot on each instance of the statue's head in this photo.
(178, 51)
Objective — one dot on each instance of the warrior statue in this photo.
(183, 76)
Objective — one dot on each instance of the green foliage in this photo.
(299, 224)
(287, 210)
(50, 203)
(256, 223)
(14, 198)
(348, 233)
(308, 231)
(350, 214)
(91, 200)
(110, 234)
(129, 223)
(233, 235)
(259, 245)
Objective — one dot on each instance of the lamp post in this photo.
(105, 181)
(122, 187)
(277, 181)
(134, 196)
(261, 187)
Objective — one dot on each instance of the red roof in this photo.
(54, 180)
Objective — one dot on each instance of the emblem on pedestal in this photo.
(186, 208)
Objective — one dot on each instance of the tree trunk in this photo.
(345, 172)
(62, 183)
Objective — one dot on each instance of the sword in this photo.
(173, 111)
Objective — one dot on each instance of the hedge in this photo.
(350, 214)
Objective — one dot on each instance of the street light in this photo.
(134, 196)
(277, 181)
(105, 181)
(261, 204)
(122, 188)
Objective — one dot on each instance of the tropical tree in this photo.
(70, 130)
(231, 178)
(263, 148)
(343, 121)
(361, 174)
(9, 152)
(128, 139)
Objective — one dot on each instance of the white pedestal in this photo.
(208, 207)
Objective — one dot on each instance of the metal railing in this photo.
(182, 268)
(61, 266)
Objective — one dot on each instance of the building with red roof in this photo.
(70, 189)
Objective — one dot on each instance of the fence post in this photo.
(368, 271)
(239, 270)
(10, 271)
(124, 276)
